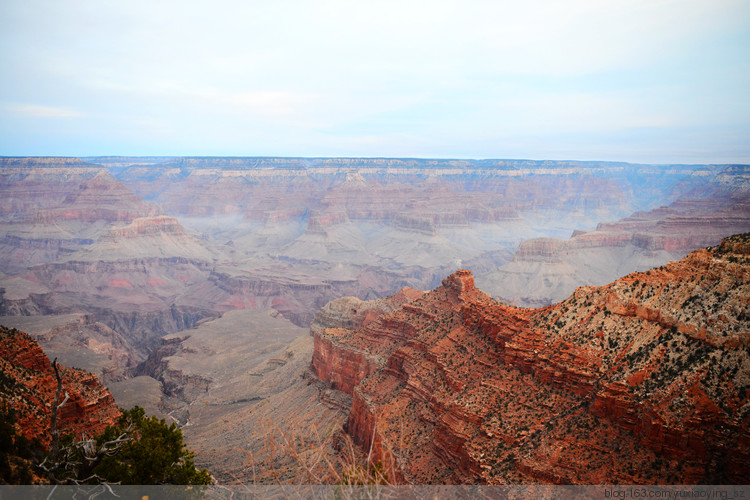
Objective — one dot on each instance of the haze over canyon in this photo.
(389, 301)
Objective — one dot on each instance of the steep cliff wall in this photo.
(335, 358)
(645, 380)
(101, 198)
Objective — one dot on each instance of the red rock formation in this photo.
(546, 270)
(343, 368)
(335, 359)
(685, 225)
(29, 386)
(100, 198)
(665, 228)
(641, 381)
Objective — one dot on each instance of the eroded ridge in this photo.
(645, 380)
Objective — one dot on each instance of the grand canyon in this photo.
(456, 321)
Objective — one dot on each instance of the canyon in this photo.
(642, 381)
(155, 273)
(543, 271)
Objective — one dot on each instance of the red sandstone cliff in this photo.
(336, 356)
(29, 385)
(645, 380)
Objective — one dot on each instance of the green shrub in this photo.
(155, 455)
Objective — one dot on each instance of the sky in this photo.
(645, 81)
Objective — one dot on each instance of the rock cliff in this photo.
(28, 386)
(645, 380)
(101, 198)
(31, 184)
(145, 238)
(79, 340)
(50, 213)
(336, 359)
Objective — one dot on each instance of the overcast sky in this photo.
(633, 80)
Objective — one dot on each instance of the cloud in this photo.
(41, 111)
(236, 76)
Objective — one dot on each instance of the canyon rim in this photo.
(246, 297)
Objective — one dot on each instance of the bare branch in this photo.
(64, 401)
(55, 408)
(65, 465)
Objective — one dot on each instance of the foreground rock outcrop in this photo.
(28, 385)
(645, 380)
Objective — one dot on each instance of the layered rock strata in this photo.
(28, 386)
(332, 327)
(546, 270)
(645, 380)
(101, 198)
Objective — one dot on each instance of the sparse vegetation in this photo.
(293, 456)
(138, 450)
(17, 454)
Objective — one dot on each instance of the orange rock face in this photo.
(645, 380)
(29, 387)
(336, 358)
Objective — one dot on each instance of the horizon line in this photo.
(403, 158)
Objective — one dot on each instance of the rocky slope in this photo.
(645, 380)
(431, 196)
(28, 385)
(100, 198)
(30, 184)
(345, 368)
(157, 237)
(417, 220)
(79, 340)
